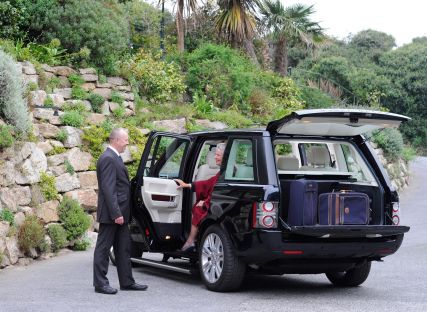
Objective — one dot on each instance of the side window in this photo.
(351, 163)
(240, 161)
(166, 157)
(317, 155)
(206, 164)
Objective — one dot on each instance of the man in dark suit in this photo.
(113, 214)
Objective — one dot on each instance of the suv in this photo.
(249, 226)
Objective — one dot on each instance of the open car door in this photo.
(334, 122)
(163, 161)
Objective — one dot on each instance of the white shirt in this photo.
(114, 150)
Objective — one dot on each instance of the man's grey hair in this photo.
(116, 132)
(221, 147)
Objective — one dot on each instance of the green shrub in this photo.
(94, 137)
(58, 236)
(96, 102)
(119, 112)
(48, 102)
(57, 150)
(391, 142)
(81, 244)
(73, 218)
(7, 215)
(52, 84)
(202, 104)
(98, 26)
(47, 186)
(408, 153)
(69, 167)
(31, 234)
(78, 107)
(1, 257)
(12, 104)
(76, 80)
(225, 76)
(116, 98)
(6, 138)
(73, 119)
(79, 93)
(62, 135)
(156, 79)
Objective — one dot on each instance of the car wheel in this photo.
(135, 252)
(351, 278)
(220, 268)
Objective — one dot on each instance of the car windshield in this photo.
(310, 157)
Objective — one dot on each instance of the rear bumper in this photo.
(274, 248)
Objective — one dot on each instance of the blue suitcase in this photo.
(303, 202)
(341, 208)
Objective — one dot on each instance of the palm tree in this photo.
(291, 23)
(187, 6)
(237, 19)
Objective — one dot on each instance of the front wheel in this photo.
(351, 278)
(220, 268)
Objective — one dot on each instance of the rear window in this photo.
(321, 158)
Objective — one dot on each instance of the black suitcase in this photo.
(303, 202)
(339, 208)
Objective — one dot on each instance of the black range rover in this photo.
(251, 223)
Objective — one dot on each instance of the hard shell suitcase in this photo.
(303, 202)
(339, 208)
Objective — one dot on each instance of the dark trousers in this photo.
(117, 236)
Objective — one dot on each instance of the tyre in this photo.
(221, 270)
(135, 252)
(351, 278)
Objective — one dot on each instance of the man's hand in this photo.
(119, 220)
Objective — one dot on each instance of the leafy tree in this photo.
(405, 67)
(291, 23)
(99, 25)
(372, 43)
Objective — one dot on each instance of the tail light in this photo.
(395, 214)
(265, 214)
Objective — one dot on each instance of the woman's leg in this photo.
(191, 237)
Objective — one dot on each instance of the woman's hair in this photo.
(221, 146)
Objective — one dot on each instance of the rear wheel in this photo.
(351, 278)
(220, 268)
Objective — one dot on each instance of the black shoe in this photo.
(105, 290)
(134, 286)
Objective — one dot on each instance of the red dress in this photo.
(203, 190)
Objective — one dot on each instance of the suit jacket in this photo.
(113, 188)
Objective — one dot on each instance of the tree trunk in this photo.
(265, 54)
(180, 26)
(281, 58)
(250, 50)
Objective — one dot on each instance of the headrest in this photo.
(319, 156)
(210, 159)
(288, 162)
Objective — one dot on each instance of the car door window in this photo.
(166, 157)
(240, 161)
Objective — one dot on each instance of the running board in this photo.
(163, 265)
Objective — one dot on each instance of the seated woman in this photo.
(203, 190)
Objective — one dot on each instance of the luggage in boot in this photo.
(343, 208)
(302, 202)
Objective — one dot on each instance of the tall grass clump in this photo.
(12, 104)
